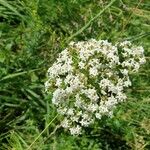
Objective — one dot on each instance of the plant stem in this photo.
(42, 132)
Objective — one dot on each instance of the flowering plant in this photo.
(88, 80)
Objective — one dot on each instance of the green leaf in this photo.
(10, 76)
(2, 57)
(34, 77)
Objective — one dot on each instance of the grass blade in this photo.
(10, 76)
(10, 7)
(93, 19)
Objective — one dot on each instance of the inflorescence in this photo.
(89, 78)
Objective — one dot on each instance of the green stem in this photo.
(13, 75)
(41, 132)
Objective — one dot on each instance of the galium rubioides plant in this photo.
(89, 79)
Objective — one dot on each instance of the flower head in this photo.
(88, 80)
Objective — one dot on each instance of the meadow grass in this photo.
(32, 33)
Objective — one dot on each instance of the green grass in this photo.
(32, 33)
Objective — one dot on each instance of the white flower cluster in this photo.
(88, 80)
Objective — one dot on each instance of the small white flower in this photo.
(81, 65)
(91, 94)
(104, 83)
(75, 118)
(65, 123)
(103, 92)
(75, 130)
(58, 96)
(124, 72)
(47, 85)
(136, 67)
(127, 83)
(58, 82)
(103, 109)
(111, 101)
(109, 74)
(92, 107)
(121, 96)
(70, 112)
(142, 60)
(85, 116)
(69, 90)
(84, 123)
(93, 71)
(62, 110)
(125, 43)
(78, 103)
(98, 115)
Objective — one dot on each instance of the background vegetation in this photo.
(32, 33)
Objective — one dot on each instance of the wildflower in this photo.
(75, 130)
(86, 90)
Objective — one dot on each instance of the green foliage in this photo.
(32, 33)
